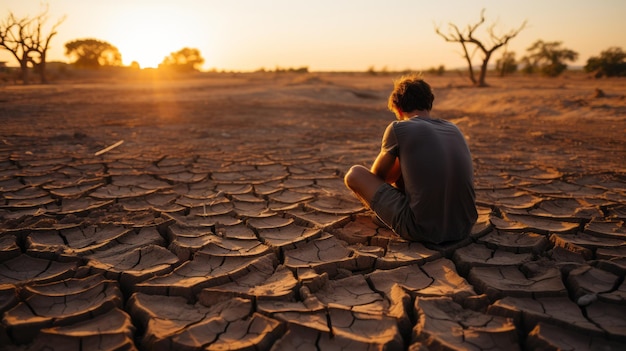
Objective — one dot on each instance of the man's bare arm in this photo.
(386, 167)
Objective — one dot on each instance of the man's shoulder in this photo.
(428, 126)
(421, 122)
(444, 123)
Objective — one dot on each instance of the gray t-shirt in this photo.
(437, 175)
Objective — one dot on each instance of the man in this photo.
(421, 183)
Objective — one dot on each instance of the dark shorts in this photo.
(392, 207)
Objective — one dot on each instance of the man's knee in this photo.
(354, 174)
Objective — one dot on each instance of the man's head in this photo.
(410, 93)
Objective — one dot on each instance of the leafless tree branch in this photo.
(455, 35)
(24, 37)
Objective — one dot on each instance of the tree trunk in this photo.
(483, 72)
(41, 67)
(24, 71)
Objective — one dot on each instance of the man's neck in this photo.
(416, 113)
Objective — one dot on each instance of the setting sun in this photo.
(326, 35)
(147, 34)
(214, 174)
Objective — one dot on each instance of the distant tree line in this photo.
(548, 59)
(545, 58)
(93, 53)
(278, 69)
(28, 42)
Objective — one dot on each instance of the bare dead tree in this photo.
(24, 38)
(11, 34)
(455, 35)
(41, 43)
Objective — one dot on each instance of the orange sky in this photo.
(324, 35)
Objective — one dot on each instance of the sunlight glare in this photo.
(148, 34)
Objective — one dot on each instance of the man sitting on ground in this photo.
(421, 183)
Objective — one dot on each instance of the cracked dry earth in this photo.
(222, 222)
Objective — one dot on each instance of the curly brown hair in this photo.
(411, 93)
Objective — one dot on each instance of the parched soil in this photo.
(209, 212)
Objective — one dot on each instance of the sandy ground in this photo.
(537, 120)
(538, 145)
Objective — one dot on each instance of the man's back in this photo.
(438, 176)
(433, 200)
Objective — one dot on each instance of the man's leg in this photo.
(363, 183)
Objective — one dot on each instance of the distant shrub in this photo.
(303, 69)
(553, 69)
(547, 58)
(92, 53)
(506, 64)
(437, 71)
(184, 60)
(611, 63)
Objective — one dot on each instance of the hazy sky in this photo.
(322, 34)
